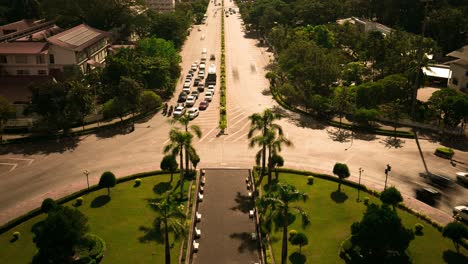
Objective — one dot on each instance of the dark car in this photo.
(203, 105)
(182, 97)
(196, 82)
(195, 93)
(440, 180)
(201, 88)
(428, 195)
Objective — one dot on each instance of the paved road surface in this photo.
(57, 166)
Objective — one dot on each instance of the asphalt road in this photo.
(31, 172)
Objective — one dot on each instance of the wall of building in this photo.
(62, 57)
(24, 64)
(162, 6)
(459, 78)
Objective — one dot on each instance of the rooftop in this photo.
(78, 38)
(23, 47)
(461, 53)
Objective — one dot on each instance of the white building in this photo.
(365, 25)
(162, 6)
(459, 68)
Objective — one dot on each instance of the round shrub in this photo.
(366, 200)
(48, 205)
(149, 101)
(418, 229)
(310, 180)
(137, 182)
(16, 235)
(292, 233)
(79, 201)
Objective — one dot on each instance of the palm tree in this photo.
(170, 218)
(262, 123)
(274, 143)
(184, 121)
(277, 204)
(178, 141)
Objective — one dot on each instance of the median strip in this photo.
(222, 102)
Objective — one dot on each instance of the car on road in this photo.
(201, 74)
(211, 88)
(202, 66)
(199, 29)
(204, 51)
(189, 76)
(212, 57)
(190, 100)
(195, 93)
(440, 180)
(191, 72)
(196, 81)
(203, 105)
(428, 195)
(461, 212)
(201, 88)
(208, 96)
(182, 97)
(179, 111)
(193, 112)
(186, 87)
(462, 177)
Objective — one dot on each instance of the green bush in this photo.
(16, 235)
(48, 204)
(366, 200)
(222, 110)
(137, 182)
(445, 152)
(79, 201)
(292, 233)
(150, 101)
(92, 247)
(418, 229)
(310, 180)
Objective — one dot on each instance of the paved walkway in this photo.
(225, 225)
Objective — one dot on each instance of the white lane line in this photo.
(30, 161)
(241, 120)
(14, 165)
(244, 136)
(167, 140)
(209, 132)
(238, 131)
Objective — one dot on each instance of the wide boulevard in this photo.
(31, 172)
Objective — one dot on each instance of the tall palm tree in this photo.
(274, 143)
(184, 121)
(263, 122)
(170, 218)
(178, 141)
(277, 204)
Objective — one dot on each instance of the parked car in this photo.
(186, 87)
(427, 195)
(196, 81)
(461, 212)
(203, 105)
(201, 88)
(191, 72)
(212, 57)
(208, 96)
(189, 76)
(182, 97)
(190, 100)
(195, 93)
(179, 111)
(201, 74)
(440, 180)
(202, 66)
(193, 112)
(462, 177)
(211, 88)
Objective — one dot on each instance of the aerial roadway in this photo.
(55, 168)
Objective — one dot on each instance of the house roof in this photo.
(461, 53)
(23, 47)
(78, 38)
(20, 25)
(437, 71)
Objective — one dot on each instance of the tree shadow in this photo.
(244, 203)
(151, 234)
(364, 136)
(340, 135)
(338, 197)
(100, 201)
(37, 226)
(42, 146)
(452, 257)
(278, 220)
(146, 118)
(121, 129)
(247, 243)
(393, 142)
(162, 187)
(297, 258)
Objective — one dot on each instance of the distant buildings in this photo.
(365, 25)
(162, 6)
(459, 69)
(31, 48)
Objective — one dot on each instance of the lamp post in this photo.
(86, 173)
(359, 187)
(387, 170)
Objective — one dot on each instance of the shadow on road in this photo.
(244, 203)
(60, 145)
(392, 142)
(114, 131)
(100, 201)
(246, 241)
(338, 197)
(298, 119)
(339, 135)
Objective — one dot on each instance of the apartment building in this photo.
(459, 69)
(162, 6)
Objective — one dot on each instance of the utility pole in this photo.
(387, 170)
(359, 187)
(86, 173)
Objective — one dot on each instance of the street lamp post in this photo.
(387, 170)
(359, 187)
(86, 173)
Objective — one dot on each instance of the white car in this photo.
(186, 87)
(193, 112)
(194, 67)
(201, 74)
(202, 66)
(208, 96)
(462, 177)
(190, 100)
(461, 212)
(179, 111)
(211, 88)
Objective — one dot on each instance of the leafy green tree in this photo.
(49, 205)
(446, 26)
(394, 111)
(457, 232)
(277, 161)
(169, 163)
(391, 196)
(149, 101)
(436, 101)
(80, 99)
(170, 219)
(368, 234)
(342, 171)
(58, 236)
(274, 144)
(262, 123)
(277, 203)
(353, 72)
(6, 111)
(129, 94)
(107, 180)
(194, 159)
(342, 102)
(365, 116)
(299, 239)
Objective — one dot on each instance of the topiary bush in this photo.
(137, 182)
(150, 101)
(48, 205)
(292, 233)
(366, 200)
(418, 229)
(310, 180)
(16, 235)
(447, 153)
(79, 201)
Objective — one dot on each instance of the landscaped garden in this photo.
(124, 220)
(331, 215)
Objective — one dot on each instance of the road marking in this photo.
(240, 120)
(241, 137)
(30, 161)
(14, 165)
(207, 134)
(238, 131)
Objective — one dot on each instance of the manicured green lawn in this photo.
(117, 221)
(331, 220)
